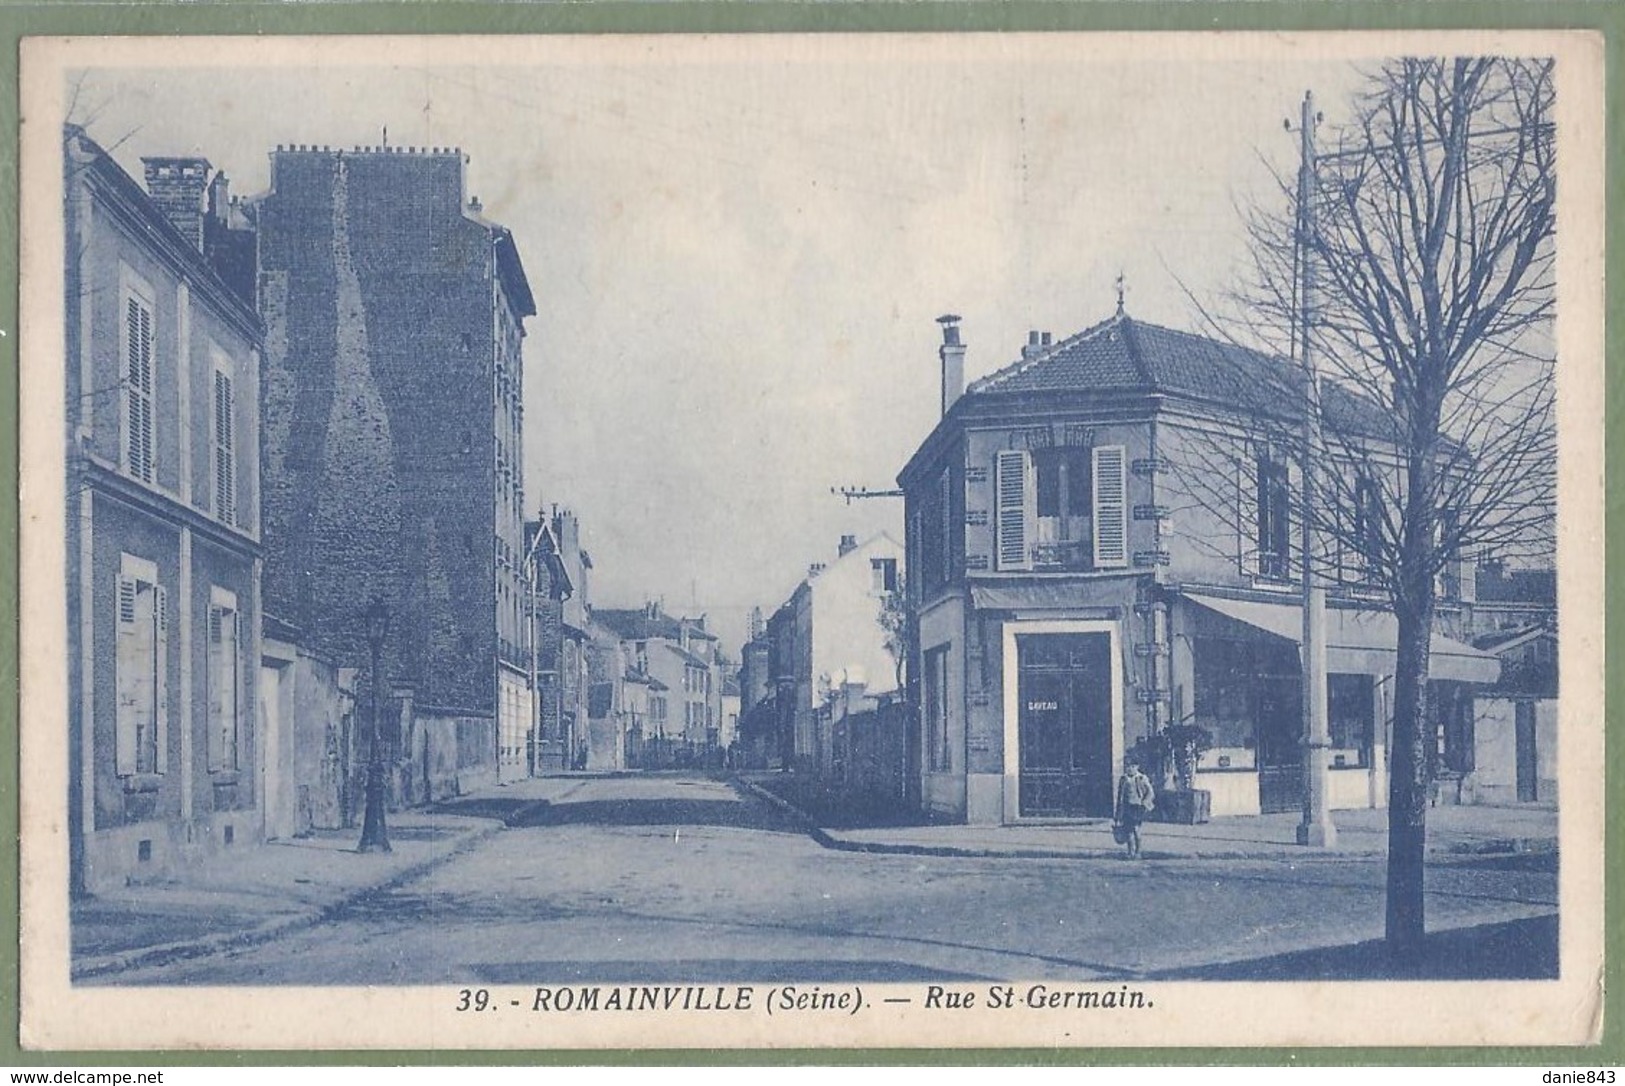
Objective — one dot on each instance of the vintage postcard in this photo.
(1060, 540)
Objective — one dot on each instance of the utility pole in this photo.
(1316, 829)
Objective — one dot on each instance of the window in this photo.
(1064, 504)
(1061, 508)
(225, 456)
(137, 336)
(935, 512)
(1367, 528)
(224, 681)
(883, 574)
(141, 662)
(1274, 520)
(1349, 707)
(936, 710)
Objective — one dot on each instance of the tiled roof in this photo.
(688, 657)
(636, 624)
(1123, 354)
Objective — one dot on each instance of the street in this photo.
(684, 878)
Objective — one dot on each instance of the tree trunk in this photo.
(1408, 783)
(1409, 766)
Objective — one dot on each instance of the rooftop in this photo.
(1121, 354)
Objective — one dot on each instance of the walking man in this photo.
(1135, 800)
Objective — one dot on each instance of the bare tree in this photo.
(1420, 269)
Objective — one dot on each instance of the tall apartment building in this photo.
(163, 533)
(393, 422)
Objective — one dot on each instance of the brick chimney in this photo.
(952, 355)
(177, 186)
(849, 543)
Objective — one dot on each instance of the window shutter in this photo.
(160, 667)
(217, 698)
(138, 387)
(1014, 500)
(1293, 515)
(124, 724)
(1111, 506)
(1249, 481)
(225, 457)
(234, 665)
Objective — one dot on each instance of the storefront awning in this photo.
(1358, 642)
(1027, 596)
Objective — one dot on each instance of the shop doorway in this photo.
(1065, 714)
(1279, 722)
(1524, 735)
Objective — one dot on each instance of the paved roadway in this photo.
(657, 878)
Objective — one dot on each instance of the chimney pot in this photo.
(177, 186)
(849, 543)
(1047, 340)
(952, 356)
(1032, 338)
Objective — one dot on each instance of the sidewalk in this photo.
(1455, 830)
(259, 892)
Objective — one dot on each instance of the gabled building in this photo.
(826, 640)
(1101, 542)
(163, 541)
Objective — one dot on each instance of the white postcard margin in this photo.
(58, 1015)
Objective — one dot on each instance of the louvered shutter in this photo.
(127, 664)
(160, 670)
(225, 456)
(215, 735)
(1111, 506)
(1014, 501)
(234, 691)
(1249, 531)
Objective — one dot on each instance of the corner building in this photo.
(1101, 543)
(392, 432)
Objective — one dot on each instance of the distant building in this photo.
(1510, 598)
(678, 659)
(827, 640)
(163, 530)
(393, 425)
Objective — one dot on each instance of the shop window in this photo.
(936, 710)
(1350, 703)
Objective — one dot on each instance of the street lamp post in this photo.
(374, 834)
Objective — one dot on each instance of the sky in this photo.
(739, 247)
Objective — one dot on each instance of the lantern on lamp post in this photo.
(374, 835)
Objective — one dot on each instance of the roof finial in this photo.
(1119, 293)
(386, 135)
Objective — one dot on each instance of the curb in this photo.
(825, 839)
(277, 926)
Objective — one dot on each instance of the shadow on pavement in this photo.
(1513, 950)
(709, 971)
(838, 809)
(656, 812)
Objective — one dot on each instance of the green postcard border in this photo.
(79, 17)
